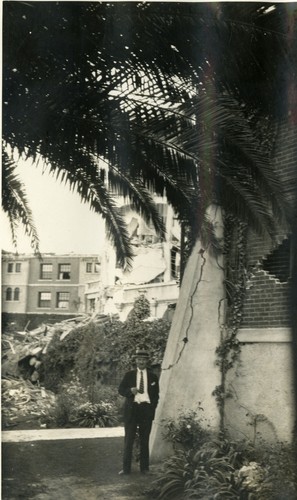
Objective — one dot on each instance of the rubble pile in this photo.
(22, 354)
(20, 398)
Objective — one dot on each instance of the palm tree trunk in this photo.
(189, 371)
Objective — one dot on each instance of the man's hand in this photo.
(134, 390)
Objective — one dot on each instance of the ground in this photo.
(73, 469)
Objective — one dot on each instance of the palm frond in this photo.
(15, 204)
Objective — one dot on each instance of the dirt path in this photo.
(80, 469)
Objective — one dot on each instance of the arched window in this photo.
(16, 295)
(8, 294)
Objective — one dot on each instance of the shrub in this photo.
(208, 467)
(140, 310)
(111, 347)
(70, 396)
(59, 360)
(95, 352)
(200, 473)
(186, 431)
(74, 408)
(98, 393)
(96, 414)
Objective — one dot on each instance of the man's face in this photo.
(141, 362)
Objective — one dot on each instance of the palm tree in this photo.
(88, 83)
(175, 98)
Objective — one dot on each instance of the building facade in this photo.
(53, 285)
(154, 272)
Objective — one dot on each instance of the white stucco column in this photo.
(189, 372)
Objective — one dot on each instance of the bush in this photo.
(96, 414)
(110, 348)
(204, 466)
(69, 397)
(186, 431)
(74, 408)
(95, 352)
(59, 360)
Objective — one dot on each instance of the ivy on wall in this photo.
(235, 269)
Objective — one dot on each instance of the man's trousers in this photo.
(141, 419)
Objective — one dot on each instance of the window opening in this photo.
(46, 271)
(44, 299)
(89, 267)
(64, 271)
(63, 300)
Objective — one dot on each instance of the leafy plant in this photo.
(96, 414)
(95, 352)
(186, 431)
(140, 310)
(171, 483)
(208, 467)
(74, 408)
(69, 397)
(59, 360)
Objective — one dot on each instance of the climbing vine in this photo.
(235, 267)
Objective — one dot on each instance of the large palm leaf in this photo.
(122, 82)
(15, 203)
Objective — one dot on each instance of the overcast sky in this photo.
(64, 224)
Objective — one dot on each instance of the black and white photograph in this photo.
(149, 263)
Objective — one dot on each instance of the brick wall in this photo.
(266, 303)
(267, 299)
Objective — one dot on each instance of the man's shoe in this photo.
(123, 473)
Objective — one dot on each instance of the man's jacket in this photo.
(128, 382)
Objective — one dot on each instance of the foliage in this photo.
(95, 414)
(218, 468)
(236, 273)
(69, 397)
(95, 352)
(140, 310)
(186, 431)
(73, 407)
(165, 112)
(59, 359)
(15, 203)
(152, 334)
(111, 347)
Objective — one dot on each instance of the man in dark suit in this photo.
(140, 387)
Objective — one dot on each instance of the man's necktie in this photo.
(141, 385)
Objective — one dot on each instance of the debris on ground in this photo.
(20, 398)
(22, 355)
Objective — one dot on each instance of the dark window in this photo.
(18, 267)
(16, 295)
(8, 294)
(63, 300)
(10, 267)
(46, 271)
(64, 271)
(89, 267)
(44, 299)
(175, 262)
